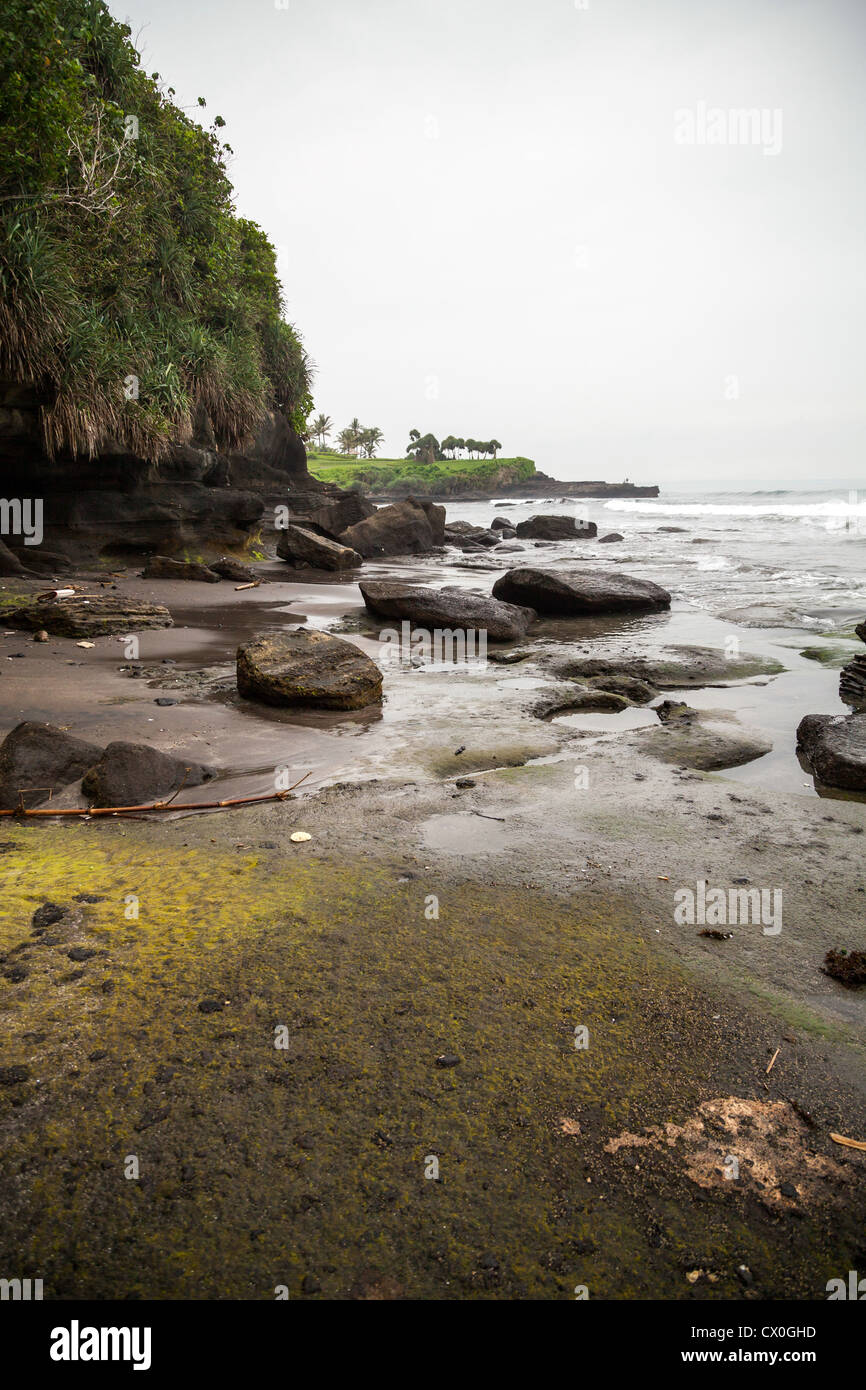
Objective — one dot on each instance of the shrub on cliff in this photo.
(131, 293)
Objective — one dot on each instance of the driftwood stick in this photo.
(160, 805)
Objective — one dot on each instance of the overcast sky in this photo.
(497, 218)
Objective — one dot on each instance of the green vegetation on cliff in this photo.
(408, 475)
(131, 294)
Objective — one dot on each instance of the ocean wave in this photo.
(836, 507)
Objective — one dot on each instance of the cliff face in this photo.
(198, 499)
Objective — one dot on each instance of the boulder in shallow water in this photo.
(134, 774)
(446, 608)
(610, 538)
(834, 746)
(37, 760)
(80, 616)
(556, 528)
(403, 528)
(306, 550)
(310, 669)
(575, 593)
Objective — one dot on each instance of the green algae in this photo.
(259, 1165)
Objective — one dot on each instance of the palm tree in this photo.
(372, 438)
(347, 441)
(321, 428)
(493, 446)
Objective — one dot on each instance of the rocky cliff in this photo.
(198, 500)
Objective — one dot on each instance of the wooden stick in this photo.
(161, 805)
(772, 1060)
(849, 1143)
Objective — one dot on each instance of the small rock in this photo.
(47, 915)
(447, 1059)
(465, 782)
(13, 1076)
(211, 1006)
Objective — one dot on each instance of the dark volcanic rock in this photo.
(401, 529)
(162, 567)
(835, 748)
(88, 617)
(852, 681)
(10, 562)
(556, 528)
(37, 760)
(227, 568)
(578, 592)
(331, 516)
(134, 774)
(440, 608)
(610, 538)
(307, 668)
(467, 537)
(305, 549)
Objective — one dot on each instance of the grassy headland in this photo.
(402, 476)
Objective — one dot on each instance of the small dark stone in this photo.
(98, 1055)
(461, 749)
(310, 1284)
(107, 986)
(13, 1076)
(47, 914)
(465, 782)
(164, 700)
(211, 1006)
(88, 898)
(81, 953)
(16, 974)
(149, 1118)
(788, 1189)
(447, 1059)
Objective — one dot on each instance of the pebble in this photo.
(447, 1059)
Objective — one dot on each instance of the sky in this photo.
(544, 221)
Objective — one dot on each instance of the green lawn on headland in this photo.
(407, 475)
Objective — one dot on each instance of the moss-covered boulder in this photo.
(310, 669)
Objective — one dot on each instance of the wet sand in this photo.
(480, 925)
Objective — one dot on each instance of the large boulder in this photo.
(446, 608)
(134, 774)
(305, 549)
(163, 567)
(578, 592)
(467, 537)
(37, 760)
(556, 528)
(400, 529)
(332, 515)
(79, 616)
(308, 669)
(834, 746)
